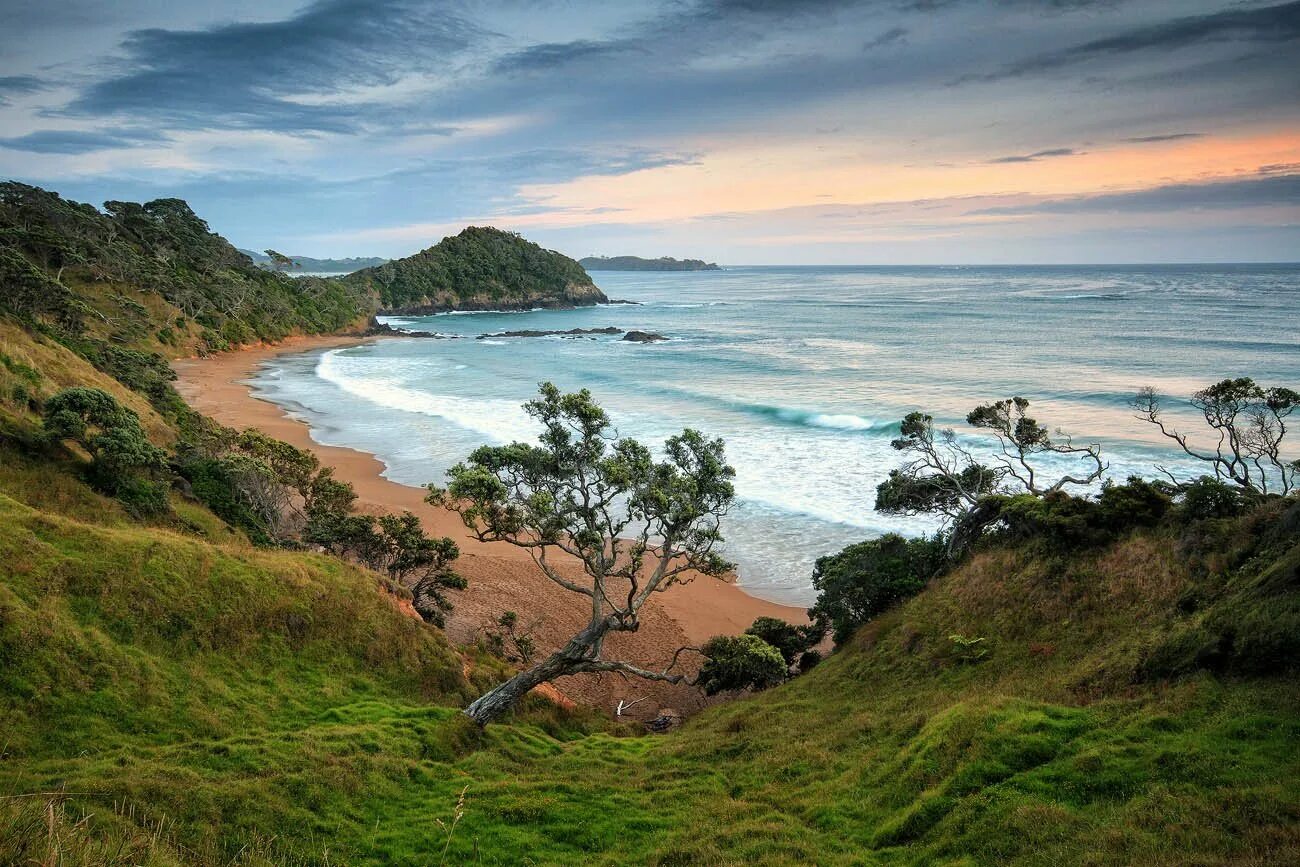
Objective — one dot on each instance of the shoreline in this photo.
(501, 577)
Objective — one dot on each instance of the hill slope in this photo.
(151, 276)
(209, 703)
(480, 269)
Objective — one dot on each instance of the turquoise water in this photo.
(805, 373)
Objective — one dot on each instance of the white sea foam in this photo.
(500, 420)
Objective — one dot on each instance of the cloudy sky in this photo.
(742, 131)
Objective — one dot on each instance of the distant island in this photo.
(482, 268)
(318, 266)
(636, 263)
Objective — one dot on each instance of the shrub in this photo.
(868, 578)
(740, 662)
(1208, 497)
(123, 463)
(1057, 520)
(395, 545)
(212, 483)
(1136, 503)
(789, 639)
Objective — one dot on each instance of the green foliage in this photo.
(1062, 522)
(868, 578)
(480, 265)
(54, 253)
(506, 639)
(395, 545)
(790, 640)
(123, 461)
(213, 483)
(1208, 497)
(968, 649)
(1136, 503)
(734, 662)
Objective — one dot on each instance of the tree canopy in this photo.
(633, 526)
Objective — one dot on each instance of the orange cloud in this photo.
(744, 178)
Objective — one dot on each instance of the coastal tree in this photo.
(631, 526)
(123, 463)
(279, 261)
(943, 476)
(745, 661)
(868, 578)
(1249, 423)
(790, 640)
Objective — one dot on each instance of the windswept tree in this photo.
(943, 475)
(279, 261)
(1249, 423)
(123, 463)
(628, 525)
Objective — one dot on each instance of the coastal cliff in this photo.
(482, 268)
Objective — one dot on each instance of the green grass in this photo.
(219, 704)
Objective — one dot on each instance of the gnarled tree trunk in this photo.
(574, 658)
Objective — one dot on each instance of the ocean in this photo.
(805, 373)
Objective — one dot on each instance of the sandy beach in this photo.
(501, 578)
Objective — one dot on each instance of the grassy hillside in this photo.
(213, 703)
(480, 269)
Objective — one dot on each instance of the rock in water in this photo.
(643, 337)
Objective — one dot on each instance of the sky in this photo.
(738, 131)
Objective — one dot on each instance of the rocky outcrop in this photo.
(572, 332)
(643, 337)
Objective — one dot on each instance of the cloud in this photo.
(19, 85)
(242, 75)
(554, 54)
(1173, 136)
(1269, 24)
(1036, 156)
(889, 37)
(1271, 190)
(79, 141)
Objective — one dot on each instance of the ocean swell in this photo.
(501, 421)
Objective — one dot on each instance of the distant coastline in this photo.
(311, 265)
(636, 263)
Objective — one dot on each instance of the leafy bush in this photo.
(789, 639)
(740, 662)
(1136, 503)
(1208, 497)
(212, 483)
(1066, 522)
(123, 461)
(868, 578)
(397, 546)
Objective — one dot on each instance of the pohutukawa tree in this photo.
(1248, 421)
(943, 475)
(627, 525)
